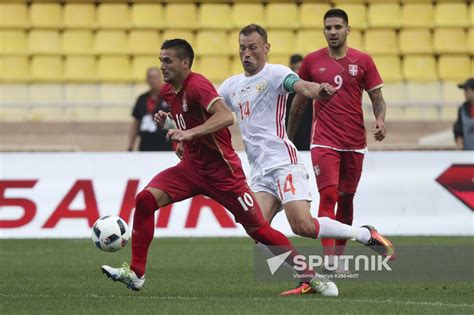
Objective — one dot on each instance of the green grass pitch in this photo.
(197, 275)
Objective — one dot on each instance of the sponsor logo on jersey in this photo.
(316, 169)
(353, 69)
(185, 103)
(322, 69)
(261, 86)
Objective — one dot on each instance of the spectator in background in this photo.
(464, 126)
(302, 137)
(152, 138)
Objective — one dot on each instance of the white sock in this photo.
(329, 228)
(363, 235)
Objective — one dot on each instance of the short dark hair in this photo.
(337, 13)
(249, 29)
(295, 59)
(182, 47)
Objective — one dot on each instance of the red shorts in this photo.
(182, 181)
(340, 168)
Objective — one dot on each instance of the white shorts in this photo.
(286, 183)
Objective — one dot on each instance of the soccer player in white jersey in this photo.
(278, 176)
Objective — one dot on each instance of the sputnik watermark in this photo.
(343, 262)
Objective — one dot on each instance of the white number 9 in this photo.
(338, 81)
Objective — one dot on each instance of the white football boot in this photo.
(125, 275)
(323, 286)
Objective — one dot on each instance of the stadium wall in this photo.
(60, 195)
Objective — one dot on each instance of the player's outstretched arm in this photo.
(379, 109)
(314, 90)
(298, 106)
(221, 117)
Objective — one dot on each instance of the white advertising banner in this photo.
(60, 195)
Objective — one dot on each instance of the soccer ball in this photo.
(110, 233)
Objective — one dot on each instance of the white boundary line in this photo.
(210, 298)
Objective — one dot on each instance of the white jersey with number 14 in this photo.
(259, 102)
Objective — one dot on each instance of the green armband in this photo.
(289, 82)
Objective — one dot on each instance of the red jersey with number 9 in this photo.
(210, 154)
(338, 121)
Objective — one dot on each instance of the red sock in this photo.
(143, 230)
(328, 198)
(344, 214)
(278, 244)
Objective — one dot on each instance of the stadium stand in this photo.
(80, 47)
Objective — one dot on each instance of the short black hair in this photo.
(249, 29)
(295, 59)
(183, 49)
(339, 13)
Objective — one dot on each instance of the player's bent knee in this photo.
(304, 228)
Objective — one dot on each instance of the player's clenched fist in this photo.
(326, 90)
(164, 120)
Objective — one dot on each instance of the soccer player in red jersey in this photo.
(209, 166)
(338, 133)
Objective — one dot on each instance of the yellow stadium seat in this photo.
(48, 113)
(113, 15)
(114, 68)
(44, 42)
(215, 68)
(13, 113)
(15, 69)
(451, 94)
(214, 16)
(389, 67)
(394, 93)
(77, 42)
(181, 16)
(45, 15)
(112, 94)
(46, 93)
(212, 43)
(419, 68)
(423, 93)
(384, 15)
(111, 42)
(449, 113)
(13, 42)
(140, 65)
(233, 41)
(470, 40)
(281, 16)
(79, 15)
(354, 40)
(282, 42)
(114, 113)
(311, 14)
(279, 59)
(183, 34)
(81, 93)
(236, 66)
(471, 14)
(309, 40)
(13, 15)
(451, 15)
(80, 68)
(47, 68)
(84, 113)
(454, 67)
(14, 93)
(417, 15)
(144, 42)
(356, 12)
(381, 41)
(147, 15)
(415, 41)
(245, 13)
(450, 40)
(394, 113)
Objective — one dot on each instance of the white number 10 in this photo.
(338, 81)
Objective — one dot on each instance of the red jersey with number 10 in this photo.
(338, 121)
(212, 154)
